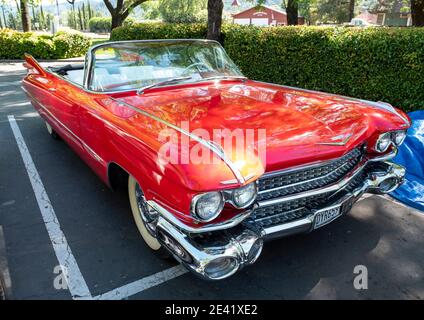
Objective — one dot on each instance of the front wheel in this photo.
(145, 217)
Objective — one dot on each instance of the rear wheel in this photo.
(52, 132)
(145, 217)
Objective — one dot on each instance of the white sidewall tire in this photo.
(151, 241)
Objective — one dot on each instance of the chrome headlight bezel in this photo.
(225, 196)
(198, 198)
(388, 137)
(393, 139)
(232, 195)
(396, 135)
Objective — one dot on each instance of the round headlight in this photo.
(244, 196)
(383, 142)
(398, 137)
(207, 206)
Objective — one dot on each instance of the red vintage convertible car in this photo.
(210, 204)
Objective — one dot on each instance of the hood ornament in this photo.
(339, 140)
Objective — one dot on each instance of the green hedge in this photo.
(384, 64)
(14, 44)
(100, 24)
(104, 24)
(159, 31)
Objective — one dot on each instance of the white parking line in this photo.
(76, 283)
(142, 284)
(11, 83)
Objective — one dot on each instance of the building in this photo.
(397, 15)
(263, 16)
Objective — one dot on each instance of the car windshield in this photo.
(135, 65)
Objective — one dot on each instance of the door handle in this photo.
(52, 89)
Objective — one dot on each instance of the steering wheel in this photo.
(195, 65)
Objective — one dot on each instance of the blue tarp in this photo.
(411, 156)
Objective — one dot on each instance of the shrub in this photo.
(14, 44)
(384, 64)
(100, 24)
(68, 45)
(104, 24)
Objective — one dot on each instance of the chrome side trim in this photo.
(213, 227)
(208, 144)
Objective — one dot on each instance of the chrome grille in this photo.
(286, 211)
(277, 185)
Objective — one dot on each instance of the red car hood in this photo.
(301, 126)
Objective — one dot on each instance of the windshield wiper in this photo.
(160, 83)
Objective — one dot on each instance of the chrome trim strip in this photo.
(213, 227)
(289, 228)
(337, 143)
(208, 144)
(232, 181)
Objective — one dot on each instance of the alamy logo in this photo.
(60, 282)
(360, 282)
(200, 146)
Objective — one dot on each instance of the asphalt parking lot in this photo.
(54, 210)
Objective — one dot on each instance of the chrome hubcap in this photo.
(147, 214)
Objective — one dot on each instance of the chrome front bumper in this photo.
(217, 253)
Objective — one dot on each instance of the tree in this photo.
(182, 11)
(351, 9)
(417, 12)
(84, 17)
(90, 12)
(72, 21)
(2, 4)
(333, 11)
(26, 21)
(292, 10)
(121, 11)
(215, 8)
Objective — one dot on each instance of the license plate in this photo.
(326, 216)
